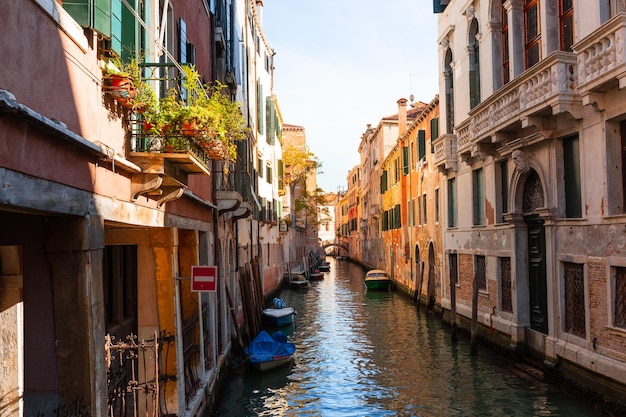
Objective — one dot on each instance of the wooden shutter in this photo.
(95, 14)
(421, 135)
(405, 160)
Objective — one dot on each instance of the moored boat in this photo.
(324, 266)
(279, 316)
(316, 275)
(298, 281)
(377, 280)
(269, 351)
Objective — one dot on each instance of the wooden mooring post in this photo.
(453, 308)
(474, 334)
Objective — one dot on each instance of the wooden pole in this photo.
(231, 309)
(474, 335)
(419, 289)
(453, 308)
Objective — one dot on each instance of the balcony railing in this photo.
(601, 56)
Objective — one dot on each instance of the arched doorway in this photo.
(432, 272)
(533, 199)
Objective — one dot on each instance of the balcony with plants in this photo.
(191, 125)
(186, 131)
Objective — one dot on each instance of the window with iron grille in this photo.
(481, 272)
(506, 301)
(573, 275)
(454, 268)
(619, 309)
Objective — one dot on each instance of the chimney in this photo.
(259, 11)
(402, 116)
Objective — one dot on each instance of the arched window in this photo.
(505, 45)
(474, 64)
(532, 32)
(449, 86)
(566, 24)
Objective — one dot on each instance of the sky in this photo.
(343, 64)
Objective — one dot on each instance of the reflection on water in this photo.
(371, 354)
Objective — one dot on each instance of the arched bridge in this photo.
(344, 247)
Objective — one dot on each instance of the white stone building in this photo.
(532, 141)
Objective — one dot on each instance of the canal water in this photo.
(370, 353)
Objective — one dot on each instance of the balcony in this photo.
(177, 135)
(601, 60)
(546, 89)
(445, 152)
(234, 192)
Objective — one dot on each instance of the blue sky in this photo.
(341, 64)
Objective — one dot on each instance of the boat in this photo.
(316, 275)
(267, 351)
(377, 279)
(279, 316)
(324, 266)
(298, 281)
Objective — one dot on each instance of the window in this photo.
(270, 121)
(260, 165)
(532, 32)
(421, 136)
(454, 274)
(505, 45)
(479, 197)
(434, 133)
(260, 113)
(424, 208)
(566, 23)
(437, 205)
(383, 182)
(268, 176)
(452, 202)
(405, 160)
(574, 280)
(619, 306)
(480, 269)
(474, 64)
(506, 299)
(120, 284)
(504, 184)
(571, 162)
(449, 91)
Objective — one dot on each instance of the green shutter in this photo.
(80, 10)
(270, 116)
(440, 5)
(259, 110)
(102, 16)
(421, 135)
(434, 133)
(571, 161)
(383, 182)
(281, 175)
(117, 44)
(405, 160)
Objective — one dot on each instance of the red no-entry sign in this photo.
(203, 278)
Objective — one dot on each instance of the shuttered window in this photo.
(421, 136)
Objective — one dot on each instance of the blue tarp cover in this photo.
(265, 347)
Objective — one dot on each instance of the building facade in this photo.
(532, 148)
(104, 218)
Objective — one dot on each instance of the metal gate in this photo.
(132, 376)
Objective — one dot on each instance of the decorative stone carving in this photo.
(522, 163)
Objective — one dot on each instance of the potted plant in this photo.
(120, 79)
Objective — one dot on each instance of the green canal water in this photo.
(372, 354)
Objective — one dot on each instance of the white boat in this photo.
(278, 317)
